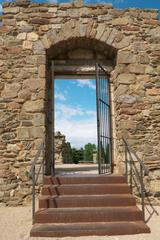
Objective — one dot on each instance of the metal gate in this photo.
(103, 121)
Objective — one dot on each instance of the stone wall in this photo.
(62, 149)
(32, 35)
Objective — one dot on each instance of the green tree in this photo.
(77, 155)
(88, 152)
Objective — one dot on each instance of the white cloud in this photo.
(60, 96)
(78, 133)
(0, 8)
(69, 111)
(53, 1)
(86, 82)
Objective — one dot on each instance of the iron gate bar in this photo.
(103, 121)
(104, 102)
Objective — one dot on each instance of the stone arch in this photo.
(113, 37)
(74, 34)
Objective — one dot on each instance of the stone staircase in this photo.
(83, 205)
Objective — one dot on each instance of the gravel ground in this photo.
(15, 224)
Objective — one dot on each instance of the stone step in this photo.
(89, 229)
(91, 214)
(85, 189)
(84, 179)
(86, 201)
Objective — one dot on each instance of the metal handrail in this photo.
(136, 156)
(32, 175)
(133, 171)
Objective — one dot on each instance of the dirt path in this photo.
(15, 224)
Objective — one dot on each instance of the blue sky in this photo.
(75, 115)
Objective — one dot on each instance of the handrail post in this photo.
(131, 174)
(142, 192)
(126, 162)
(33, 194)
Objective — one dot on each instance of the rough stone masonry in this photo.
(33, 33)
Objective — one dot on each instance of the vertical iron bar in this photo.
(53, 130)
(126, 162)
(131, 174)
(43, 171)
(98, 117)
(33, 195)
(142, 191)
(109, 126)
(43, 161)
(103, 142)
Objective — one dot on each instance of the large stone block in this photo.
(38, 48)
(11, 90)
(42, 71)
(11, 10)
(33, 106)
(126, 57)
(127, 99)
(121, 21)
(30, 132)
(23, 133)
(27, 45)
(39, 119)
(32, 36)
(22, 36)
(33, 84)
(121, 90)
(36, 132)
(126, 78)
(137, 68)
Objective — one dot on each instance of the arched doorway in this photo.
(81, 58)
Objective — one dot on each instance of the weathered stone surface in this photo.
(23, 133)
(24, 94)
(11, 90)
(137, 68)
(121, 90)
(11, 10)
(127, 99)
(126, 78)
(42, 71)
(62, 149)
(39, 21)
(126, 57)
(39, 119)
(153, 91)
(23, 3)
(32, 85)
(14, 105)
(24, 27)
(32, 36)
(150, 70)
(22, 36)
(125, 42)
(30, 132)
(33, 106)
(27, 45)
(38, 48)
(121, 21)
